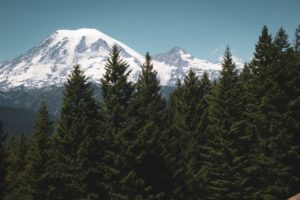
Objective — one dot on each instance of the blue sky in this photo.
(202, 27)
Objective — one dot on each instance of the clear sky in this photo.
(202, 27)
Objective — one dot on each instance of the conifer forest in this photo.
(237, 137)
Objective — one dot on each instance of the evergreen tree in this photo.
(147, 166)
(246, 137)
(270, 116)
(75, 166)
(221, 150)
(16, 160)
(253, 84)
(263, 56)
(297, 41)
(2, 162)
(187, 116)
(278, 144)
(117, 91)
(195, 174)
(37, 157)
(293, 89)
(117, 94)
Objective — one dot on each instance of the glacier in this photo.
(50, 62)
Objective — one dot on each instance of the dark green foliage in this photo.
(17, 120)
(187, 115)
(196, 173)
(222, 148)
(246, 135)
(253, 80)
(233, 138)
(3, 166)
(184, 114)
(293, 92)
(297, 41)
(270, 119)
(16, 160)
(116, 90)
(148, 176)
(38, 157)
(74, 167)
(117, 98)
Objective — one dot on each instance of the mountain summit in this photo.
(50, 62)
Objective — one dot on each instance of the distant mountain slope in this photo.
(17, 120)
(184, 61)
(49, 63)
(22, 97)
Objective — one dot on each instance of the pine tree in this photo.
(263, 56)
(37, 157)
(147, 168)
(16, 161)
(293, 86)
(253, 84)
(76, 170)
(246, 138)
(117, 94)
(274, 140)
(3, 161)
(297, 41)
(206, 87)
(187, 115)
(195, 173)
(269, 115)
(221, 150)
(278, 143)
(117, 90)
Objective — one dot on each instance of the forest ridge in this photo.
(232, 138)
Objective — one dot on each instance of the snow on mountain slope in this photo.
(184, 61)
(51, 61)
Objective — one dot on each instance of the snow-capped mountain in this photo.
(180, 61)
(50, 62)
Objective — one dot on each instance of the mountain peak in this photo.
(50, 62)
(174, 57)
(177, 50)
(79, 32)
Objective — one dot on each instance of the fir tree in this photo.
(195, 174)
(187, 111)
(221, 148)
(3, 161)
(117, 98)
(277, 143)
(269, 116)
(76, 170)
(147, 166)
(253, 83)
(16, 160)
(297, 41)
(206, 86)
(293, 85)
(246, 137)
(38, 156)
(117, 91)
(263, 56)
